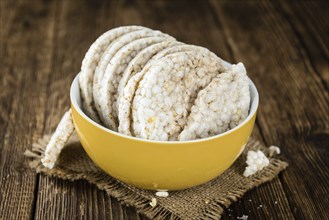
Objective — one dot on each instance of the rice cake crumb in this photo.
(256, 161)
(274, 150)
(243, 217)
(162, 193)
(153, 202)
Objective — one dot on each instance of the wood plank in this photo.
(294, 105)
(174, 18)
(58, 199)
(7, 11)
(116, 209)
(62, 199)
(302, 131)
(312, 31)
(268, 201)
(315, 16)
(24, 62)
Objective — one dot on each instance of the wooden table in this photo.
(283, 45)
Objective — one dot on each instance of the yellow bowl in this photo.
(160, 165)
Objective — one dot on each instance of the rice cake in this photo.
(164, 96)
(138, 63)
(125, 103)
(125, 118)
(221, 106)
(125, 99)
(112, 49)
(90, 62)
(113, 75)
(58, 140)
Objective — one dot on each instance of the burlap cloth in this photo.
(206, 201)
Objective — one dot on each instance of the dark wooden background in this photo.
(283, 45)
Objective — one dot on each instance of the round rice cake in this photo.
(154, 107)
(198, 78)
(221, 106)
(221, 64)
(138, 63)
(177, 48)
(112, 49)
(113, 75)
(163, 98)
(125, 102)
(62, 134)
(128, 92)
(90, 62)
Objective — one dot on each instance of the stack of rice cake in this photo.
(144, 83)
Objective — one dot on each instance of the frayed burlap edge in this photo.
(122, 192)
(128, 195)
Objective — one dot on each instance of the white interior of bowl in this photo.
(76, 101)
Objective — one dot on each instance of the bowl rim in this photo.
(75, 95)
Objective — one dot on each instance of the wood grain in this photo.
(294, 105)
(284, 46)
(310, 31)
(25, 63)
(58, 199)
